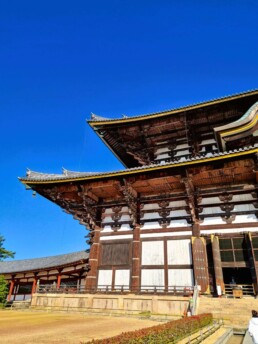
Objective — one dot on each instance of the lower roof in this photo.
(42, 263)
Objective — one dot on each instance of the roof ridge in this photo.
(103, 119)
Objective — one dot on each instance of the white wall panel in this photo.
(116, 237)
(210, 200)
(180, 277)
(152, 277)
(245, 218)
(107, 219)
(162, 235)
(230, 230)
(125, 227)
(152, 252)
(244, 197)
(105, 278)
(212, 221)
(211, 210)
(151, 225)
(180, 203)
(177, 213)
(178, 223)
(180, 153)
(179, 252)
(125, 217)
(107, 229)
(148, 216)
(122, 278)
(244, 207)
(150, 206)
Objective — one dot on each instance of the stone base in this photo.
(122, 304)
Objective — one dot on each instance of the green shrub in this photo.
(168, 333)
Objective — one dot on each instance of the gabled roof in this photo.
(42, 263)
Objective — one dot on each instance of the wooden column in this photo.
(252, 265)
(11, 290)
(91, 278)
(136, 249)
(34, 285)
(59, 276)
(217, 264)
(200, 263)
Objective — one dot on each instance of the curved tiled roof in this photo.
(38, 178)
(42, 263)
(95, 119)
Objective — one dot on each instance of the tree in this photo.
(4, 253)
(3, 290)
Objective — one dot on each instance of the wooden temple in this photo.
(54, 273)
(183, 212)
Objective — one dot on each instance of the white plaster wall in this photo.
(122, 278)
(125, 217)
(149, 216)
(105, 278)
(162, 235)
(151, 225)
(152, 277)
(180, 203)
(244, 197)
(245, 218)
(178, 223)
(212, 221)
(162, 156)
(210, 200)
(150, 206)
(211, 210)
(180, 277)
(184, 152)
(116, 237)
(179, 252)
(230, 230)
(152, 252)
(107, 219)
(177, 213)
(244, 207)
(107, 229)
(162, 150)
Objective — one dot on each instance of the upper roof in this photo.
(97, 120)
(136, 140)
(42, 263)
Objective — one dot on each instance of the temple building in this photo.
(183, 212)
(51, 273)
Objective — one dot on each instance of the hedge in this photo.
(168, 333)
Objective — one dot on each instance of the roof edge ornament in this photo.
(95, 117)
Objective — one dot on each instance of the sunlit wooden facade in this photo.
(183, 212)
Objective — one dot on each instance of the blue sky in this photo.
(62, 60)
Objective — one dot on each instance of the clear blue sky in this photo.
(61, 60)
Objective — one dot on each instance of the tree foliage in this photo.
(4, 253)
(3, 290)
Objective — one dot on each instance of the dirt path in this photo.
(30, 327)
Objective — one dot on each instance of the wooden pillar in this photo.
(11, 290)
(136, 249)
(252, 265)
(34, 285)
(91, 278)
(59, 276)
(219, 280)
(200, 263)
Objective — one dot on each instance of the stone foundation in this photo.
(123, 304)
